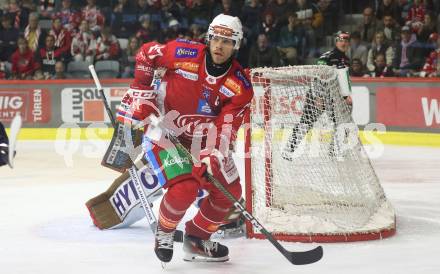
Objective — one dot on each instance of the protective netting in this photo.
(309, 172)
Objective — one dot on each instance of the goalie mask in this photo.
(228, 27)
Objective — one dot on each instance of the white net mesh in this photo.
(310, 174)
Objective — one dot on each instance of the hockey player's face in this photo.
(221, 49)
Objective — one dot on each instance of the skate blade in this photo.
(197, 258)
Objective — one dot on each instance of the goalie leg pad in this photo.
(119, 206)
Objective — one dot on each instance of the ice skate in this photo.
(198, 250)
(164, 245)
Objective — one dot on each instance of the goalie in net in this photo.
(308, 176)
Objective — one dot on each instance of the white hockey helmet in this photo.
(226, 26)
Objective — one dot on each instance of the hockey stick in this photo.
(13, 134)
(178, 235)
(296, 258)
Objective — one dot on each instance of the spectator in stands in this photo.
(280, 8)
(429, 26)
(357, 50)
(416, 15)
(250, 18)
(60, 70)
(147, 32)
(270, 27)
(8, 38)
(379, 45)
(311, 18)
(82, 44)
(18, 13)
(196, 34)
(292, 37)
(263, 54)
(47, 57)
(23, 61)
(106, 46)
(141, 8)
(122, 6)
(331, 12)
(368, 26)
(121, 21)
(391, 8)
(46, 8)
(3, 72)
(381, 69)
(200, 13)
(431, 68)
(170, 10)
(128, 58)
(70, 18)
(93, 15)
(390, 29)
(408, 57)
(63, 38)
(357, 69)
(173, 31)
(33, 32)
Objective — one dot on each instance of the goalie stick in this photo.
(296, 258)
(178, 235)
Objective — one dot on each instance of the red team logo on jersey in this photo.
(191, 122)
(155, 51)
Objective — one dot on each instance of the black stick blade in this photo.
(304, 257)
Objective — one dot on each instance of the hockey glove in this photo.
(222, 168)
(136, 105)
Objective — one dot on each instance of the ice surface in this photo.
(45, 228)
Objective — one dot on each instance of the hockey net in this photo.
(308, 177)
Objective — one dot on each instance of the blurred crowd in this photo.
(47, 39)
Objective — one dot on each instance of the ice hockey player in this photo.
(4, 146)
(314, 102)
(211, 94)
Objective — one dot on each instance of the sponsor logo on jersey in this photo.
(186, 41)
(145, 69)
(174, 166)
(204, 108)
(226, 92)
(187, 75)
(186, 52)
(232, 85)
(211, 80)
(190, 66)
(242, 78)
(191, 122)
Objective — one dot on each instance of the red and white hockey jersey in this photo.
(189, 89)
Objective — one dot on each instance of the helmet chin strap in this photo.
(217, 69)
